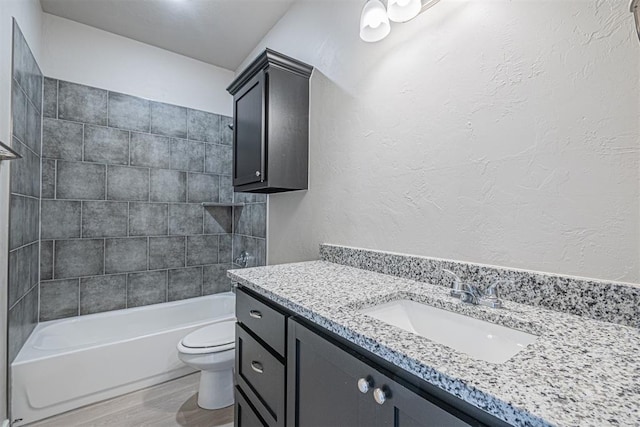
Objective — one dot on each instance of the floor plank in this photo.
(165, 405)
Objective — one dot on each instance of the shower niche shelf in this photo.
(222, 205)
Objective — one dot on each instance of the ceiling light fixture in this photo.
(374, 19)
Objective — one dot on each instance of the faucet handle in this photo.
(458, 287)
(492, 291)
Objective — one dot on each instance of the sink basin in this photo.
(476, 338)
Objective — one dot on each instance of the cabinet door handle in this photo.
(257, 366)
(380, 396)
(258, 173)
(364, 385)
(255, 314)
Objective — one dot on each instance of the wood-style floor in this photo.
(165, 405)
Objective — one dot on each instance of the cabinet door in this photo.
(404, 408)
(323, 384)
(249, 132)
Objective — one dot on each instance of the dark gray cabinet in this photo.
(290, 372)
(328, 386)
(271, 125)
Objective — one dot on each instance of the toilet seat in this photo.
(214, 338)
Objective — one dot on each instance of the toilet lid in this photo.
(215, 335)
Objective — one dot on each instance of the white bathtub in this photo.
(73, 362)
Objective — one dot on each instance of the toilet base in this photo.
(216, 389)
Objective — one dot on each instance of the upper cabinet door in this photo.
(271, 125)
(249, 135)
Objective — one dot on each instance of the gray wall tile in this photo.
(166, 252)
(19, 112)
(168, 120)
(61, 140)
(148, 219)
(225, 249)
(187, 155)
(60, 219)
(106, 145)
(202, 188)
(202, 250)
(218, 159)
(185, 283)
(17, 226)
(226, 133)
(81, 103)
(217, 219)
(168, 186)
(59, 299)
(242, 220)
(25, 68)
(129, 112)
(46, 260)
(259, 220)
(126, 183)
(226, 189)
(33, 131)
(104, 219)
(146, 288)
(69, 252)
(185, 219)
(19, 275)
(150, 150)
(25, 172)
(23, 318)
(82, 181)
(50, 101)
(215, 279)
(204, 126)
(48, 179)
(125, 255)
(34, 257)
(103, 293)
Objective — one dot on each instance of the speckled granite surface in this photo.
(615, 302)
(579, 372)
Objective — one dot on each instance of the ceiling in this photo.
(219, 32)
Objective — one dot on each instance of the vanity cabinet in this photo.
(291, 372)
(329, 386)
(271, 125)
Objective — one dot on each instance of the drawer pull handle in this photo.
(257, 366)
(255, 314)
(364, 385)
(380, 396)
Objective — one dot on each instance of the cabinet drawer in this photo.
(261, 376)
(264, 321)
(245, 415)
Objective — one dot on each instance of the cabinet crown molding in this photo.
(265, 60)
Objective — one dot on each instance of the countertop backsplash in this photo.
(608, 301)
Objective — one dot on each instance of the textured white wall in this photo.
(87, 55)
(501, 132)
(29, 15)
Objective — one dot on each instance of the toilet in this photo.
(211, 350)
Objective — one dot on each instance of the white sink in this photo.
(476, 338)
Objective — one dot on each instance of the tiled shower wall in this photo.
(26, 107)
(122, 185)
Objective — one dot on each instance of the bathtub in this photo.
(69, 363)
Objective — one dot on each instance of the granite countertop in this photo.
(579, 372)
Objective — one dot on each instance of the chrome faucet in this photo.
(473, 294)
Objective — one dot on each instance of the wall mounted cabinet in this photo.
(271, 125)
